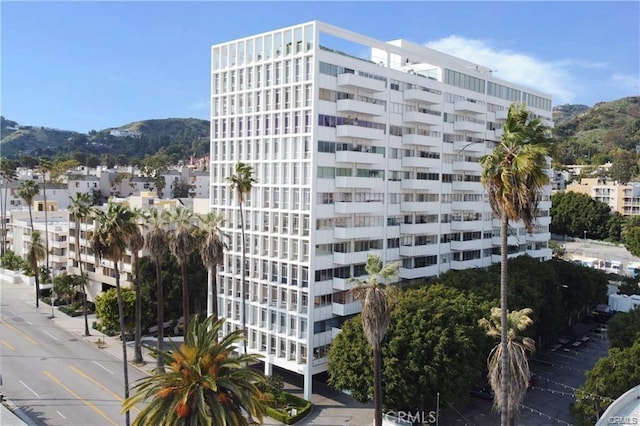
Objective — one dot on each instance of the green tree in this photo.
(624, 329)
(80, 210)
(8, 174)
(573, 213)
(109, 240)
(107, 311)
(65, 287)
(242, 182)
(182, 243)
(12, 261)
(514, 175)
(630, 234)
(612, 376)
(624, 166)
(212, 245)
(156, 243)
(518, 363)
(375, 316)
(207, 384)
(135, 243)
(27, 191)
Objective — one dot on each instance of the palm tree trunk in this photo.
(242, 280)
(138, 342)
(35, 263)
(212, 293)
(84, 283)
(377, 385)
(504, 228)
(4, 223)
(160, 314)
(185, 295)
(123, 337)
(46, 227)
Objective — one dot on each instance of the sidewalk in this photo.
(330, 406)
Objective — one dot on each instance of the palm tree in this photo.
(109, 240)
(212, 246)
(8, 174)
(242, 182)
(45, 167)
(517, 347)
(28, 191)
(513, 175)
(36, 252)
(207, 384)
(375, 319)
(156, 244)
(135, 243)
(80, 209)
(182, 243)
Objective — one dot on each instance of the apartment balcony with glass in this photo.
(361, 157)
(358, 182)
(359, 107)
(358, 132)
(469, 107)
(417, 117)
(469, 126)
(422, 96)
(423, 162)
(357, 232)
(370, 207)
(353, 81)
(432, 139)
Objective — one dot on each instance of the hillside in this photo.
(178, 138)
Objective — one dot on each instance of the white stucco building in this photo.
(359, 146)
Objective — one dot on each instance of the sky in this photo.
(94, 65)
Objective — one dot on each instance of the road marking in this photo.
(26, 336)
(95, 382)
(30, 390)
(102, 366)
(50, 335)
(60, 414)
(87, 403)
(29, 322)
(8, 345)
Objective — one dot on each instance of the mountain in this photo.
(178, 138)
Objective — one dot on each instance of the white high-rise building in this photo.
(359, 146)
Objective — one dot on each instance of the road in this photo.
(54, 376)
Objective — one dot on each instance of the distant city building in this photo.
(352, 155)
(125, 133)
(624, 199)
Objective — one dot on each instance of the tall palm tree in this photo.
(28, 191)
(242, 182)
(375, 318)
(45, 167)
(182, 243)
(109, 240)
(517, 347)
(80, 209)
(36, 252)
(135, 243)
(513, 175)
(8, 174)
(207, 384)
(212, 246)
(156, 244)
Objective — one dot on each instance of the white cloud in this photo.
(629, 82)
(555, 78)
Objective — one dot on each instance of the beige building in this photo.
(624, 199)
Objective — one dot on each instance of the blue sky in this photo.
(94, 65)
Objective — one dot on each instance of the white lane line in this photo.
(50, 335)
(29, 322)
(102, 366)
(60, 414)
(31, 390)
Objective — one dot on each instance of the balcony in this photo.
(420, 206)
(343, 283)
(348, 233)
(502, 114)
(496, 258)
(359, 132)
(461, 185)
(419, 184)
(423, 162)
(470, 146)
(419, 228)
(421, 118)
(543, 253)
(415, 273)
(422, 96)
(350, 258)
(372, 207)
(467, 166)
(469, 126)
(422, 140)
(512, 240)
(544, 221)
(353, 81)
(466, 264)
(359, 107)
(467, 225)
(468, 206)
(469, 107)
(426, 250)
(358, 182)
(345, 309)
(359, 157)
(470, 245)
(543, 236)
